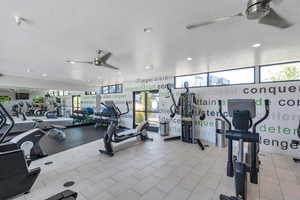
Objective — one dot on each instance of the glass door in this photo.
(146, 107)
(76, 103)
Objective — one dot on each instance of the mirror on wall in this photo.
(29, 100)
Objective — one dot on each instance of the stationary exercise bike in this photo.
(242, 112)
(112, 136)
(28, 141)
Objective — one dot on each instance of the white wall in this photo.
(23, 82)
(276, 132)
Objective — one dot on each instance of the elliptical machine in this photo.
(186, 107)
(15, 177)
(242, 112)
(28, 141)
(111, 136)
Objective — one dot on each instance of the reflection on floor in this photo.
(74, 137)
(159, 170)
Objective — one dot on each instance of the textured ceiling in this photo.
(59, 30)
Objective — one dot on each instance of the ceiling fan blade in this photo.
(109, 66)
(274, 19)
(192, 26)
(78, 61)
(105, 57)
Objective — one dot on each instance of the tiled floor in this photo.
(159, 170)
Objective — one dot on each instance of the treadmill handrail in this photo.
(223, 116)
(12, 123)
(174, 105)
(267, 109)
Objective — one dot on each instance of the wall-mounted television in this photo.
(22, 96)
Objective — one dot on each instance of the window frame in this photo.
(195, 74)
(269, 65)
(109, 86)
(240, 68)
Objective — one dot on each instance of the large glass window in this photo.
(110, 89)
(196, 80)
(232, 77)
(280, 72)
(119, 88)
(105, 90)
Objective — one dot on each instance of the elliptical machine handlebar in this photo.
(116, 109)
(3, 120)
(223, 116)
(173, 107)
(127, 109)
(267, 109)
(12, 122)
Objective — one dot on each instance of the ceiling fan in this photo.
(260, 10)
(100, 60)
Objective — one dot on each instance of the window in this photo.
(76, 103)
(280, 72)
(89, 93)
(111, 89)
(196, 80)
(232, 77)
(105, 90)
(119, 88)
(58, 93)
(51, 92)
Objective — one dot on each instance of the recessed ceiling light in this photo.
(189, 58)
(28, 70)
(148, 67)
(148, 30)
(89, 81)
(44, 75)
(256, 45)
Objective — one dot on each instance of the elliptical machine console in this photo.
(242, 111)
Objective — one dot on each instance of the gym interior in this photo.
(150, 100)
